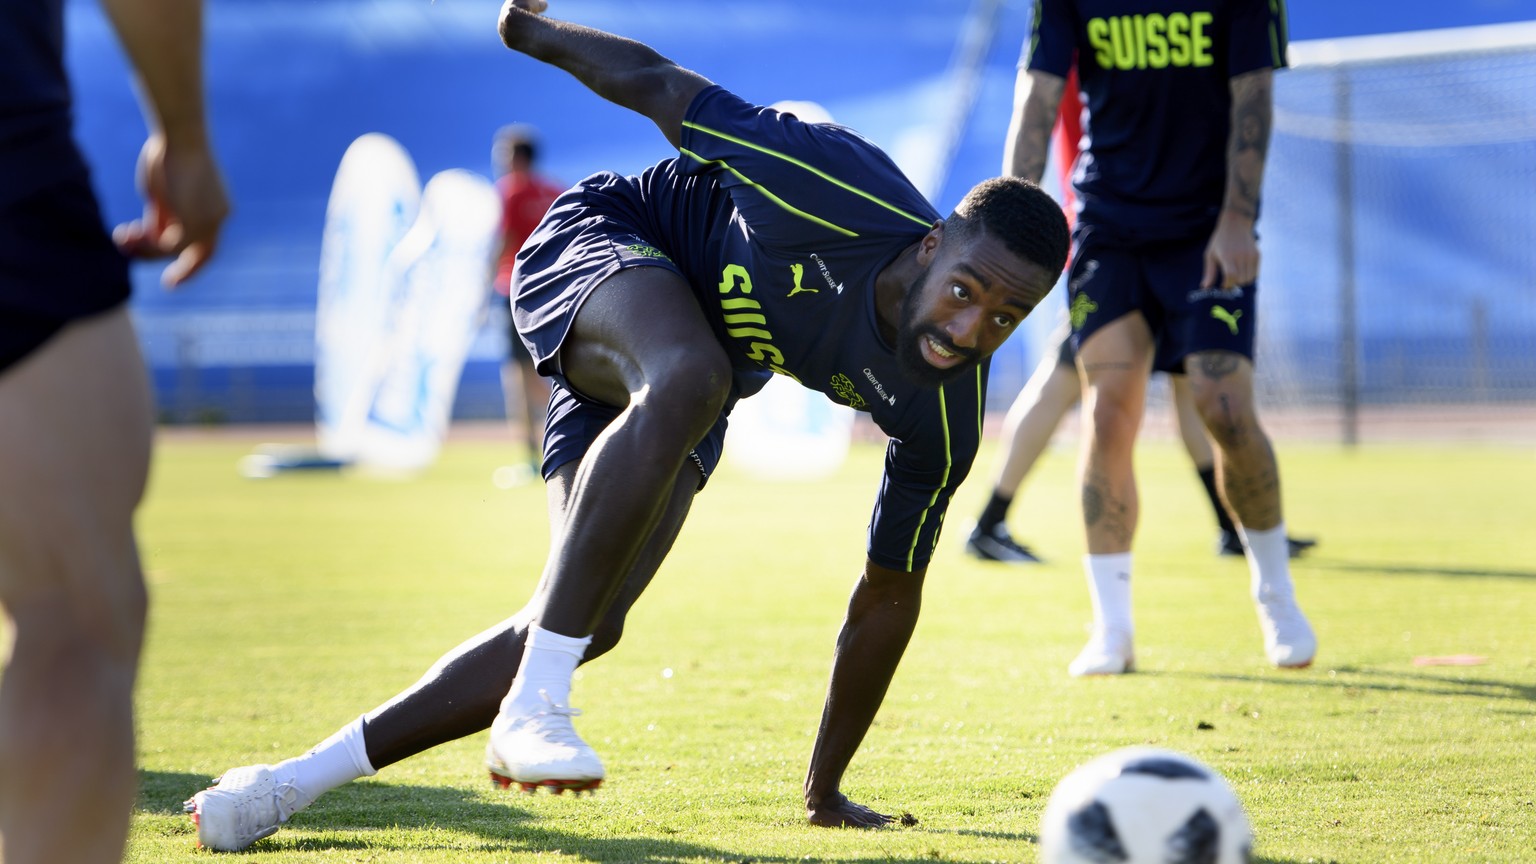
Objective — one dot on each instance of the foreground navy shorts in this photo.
(57, 265)
(1161, 280)
(585, 238)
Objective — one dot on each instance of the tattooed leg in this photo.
(1246, 471)
(1115, 362)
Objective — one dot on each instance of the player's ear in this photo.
(928, 247)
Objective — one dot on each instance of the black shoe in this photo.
(1229, 543)
(999, 545)
(1299, 545)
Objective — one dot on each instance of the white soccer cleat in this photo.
(245, 805)
(1288, 637)
(542, 750)
(1108, 652)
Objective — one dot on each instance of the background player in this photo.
(1055, 387)
(525, 195)
(1164, 268)
(76, 418)
(654, 303)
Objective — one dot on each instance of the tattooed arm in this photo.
(1232, 256)
(1036, 96)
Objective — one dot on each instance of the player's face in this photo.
(964, 306)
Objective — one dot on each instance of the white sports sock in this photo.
(1269, 562)
(333, 762)
(1109, 587)
(549, 661)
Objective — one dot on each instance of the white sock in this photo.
(333, 762)
(1109, 587)
(1269, 562)
(549, 661)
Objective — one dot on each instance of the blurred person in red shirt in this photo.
(525, 196)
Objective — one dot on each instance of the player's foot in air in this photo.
(243, 806)
(1229, 543)
(998, 545)
(542, 751)
(1288, 638)
(1108, 652)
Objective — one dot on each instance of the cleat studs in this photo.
(553, 787)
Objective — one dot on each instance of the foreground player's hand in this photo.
(184, 208)
(837, 811)
(1232, 256)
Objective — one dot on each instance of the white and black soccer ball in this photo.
(1144, 805)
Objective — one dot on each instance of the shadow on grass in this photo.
(1034, 840)
(1382, 680)
(372, 815)
(1390, 569)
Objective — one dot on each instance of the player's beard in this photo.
(909, 354)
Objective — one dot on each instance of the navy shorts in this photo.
(517, 352)
(585, 238)
(57, 265)
(1161, 280)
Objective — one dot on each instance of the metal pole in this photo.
(1349, 346)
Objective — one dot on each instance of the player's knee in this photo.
(689, 387)
(1227, 413)
(83, 635)
(1115, 421)
(78, 569)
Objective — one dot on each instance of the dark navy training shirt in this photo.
(781, 228)
(1155, 77)
(35, 144)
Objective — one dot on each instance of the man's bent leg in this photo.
(1222, 384)
(460, 694)
(1115, 362)
(456, 698)
(75, 426)
(640, 343)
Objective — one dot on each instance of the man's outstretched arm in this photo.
(882, 614)
(620, 70)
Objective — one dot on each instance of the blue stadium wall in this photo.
(293, 82)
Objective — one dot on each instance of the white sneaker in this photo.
(1108, 652)
(1288, 638)
(542, 750)
(245, 805)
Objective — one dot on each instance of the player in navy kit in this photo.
(768, 246)
(76, 419)
(1177, 105)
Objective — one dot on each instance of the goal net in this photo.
(1399, 230)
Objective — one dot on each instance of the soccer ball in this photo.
(1143, 805)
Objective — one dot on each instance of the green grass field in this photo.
(284, 608)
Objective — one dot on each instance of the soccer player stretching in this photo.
(769, 245)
